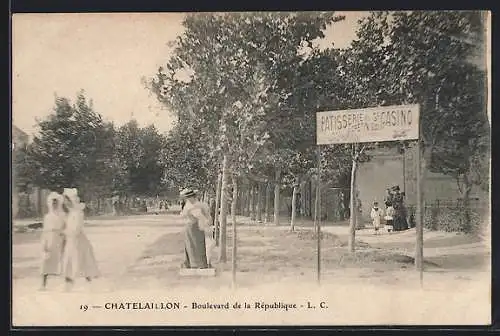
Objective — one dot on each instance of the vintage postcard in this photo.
(251, 168)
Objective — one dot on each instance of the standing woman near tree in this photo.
(199, 241)
(52, 237)
(78, 258)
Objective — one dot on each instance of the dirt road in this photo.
(119, 243)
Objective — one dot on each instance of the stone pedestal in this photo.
(203, 272)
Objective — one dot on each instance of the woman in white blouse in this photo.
(78, 258)
(52, 238)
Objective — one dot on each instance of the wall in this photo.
(388, 168)
(374, 177)
(19, 138)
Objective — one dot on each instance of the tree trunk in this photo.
(422, 156)
(294, 206)
(242, 198)
(217, 207)
(465, 190)
(251, 199)
(466, 225)
(238, 204)
(234, 250)
(223, 211)
(354, 206)
(310, 198)
(267, 210)
(302, 199)
(245, 201)
(277, 186)
(248, 200)
(15, 202)
(39, 202)
(259, 202)
(254, 202)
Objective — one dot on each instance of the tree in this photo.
(424, 58)
(138, 151)
(238, 78)
(438, 56)
(185, 158)
(71, 148)
(355, 85)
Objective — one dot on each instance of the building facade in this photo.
(388, 168)
(19, 139)
(25, 204)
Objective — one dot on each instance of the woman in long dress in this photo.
(400, 222)
(78, 258)
(198, 238)
(52, 238)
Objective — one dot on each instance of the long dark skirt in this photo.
(400, 223)
(194, 248)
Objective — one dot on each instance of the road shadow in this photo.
(267, 255)
(463, 261)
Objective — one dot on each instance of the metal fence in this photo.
(453, 216)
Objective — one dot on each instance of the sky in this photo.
(106, 55)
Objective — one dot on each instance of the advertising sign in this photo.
(378, 124)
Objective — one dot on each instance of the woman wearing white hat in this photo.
(52, 237)
(78, 258)
(198, 235)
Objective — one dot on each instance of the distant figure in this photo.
(78, 257)
(389, 216)
(52, 237)
(400, 222)
(199, 232)
(388, 197)
(376, 215)
(212, 211)
(116, 207)
(340, 207)
(359, 212)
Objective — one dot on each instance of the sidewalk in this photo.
(25, 222)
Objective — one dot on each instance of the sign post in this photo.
(378, 124)
(419, 224)
(317, 216)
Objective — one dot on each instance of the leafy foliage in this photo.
(245, 69)
(137, 152)
(72, 147)
(76, 148)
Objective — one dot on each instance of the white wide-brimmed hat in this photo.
(72, 194)
(187, 193)
(53, 196)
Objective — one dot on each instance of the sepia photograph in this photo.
(251, 169)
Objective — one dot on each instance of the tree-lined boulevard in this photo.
(245, 89)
